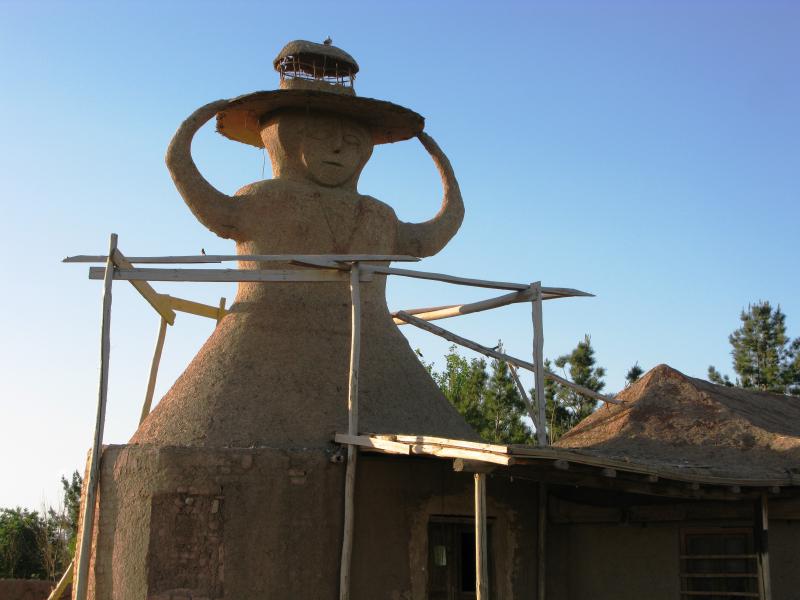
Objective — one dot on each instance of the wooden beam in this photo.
(221, 312)
(525, 398)
(523, 364)
(464, 465)
(62, 584)
(372, 443)
(90, 485)
(219, 258)
(455, 310)
(191, 307)
(352, 429)
(538, 361)
(151, 381)
(449, 452)
(145, 289)
(429, 439)
(762, 545)
(483, 283)
(481, 545)
(219, 275)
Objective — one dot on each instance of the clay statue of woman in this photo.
(275, 370)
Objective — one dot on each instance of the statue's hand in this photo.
(426, 239)
(215, 210)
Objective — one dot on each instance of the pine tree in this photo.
(490, 404)
(764, 357)
(504, 408)
(633, 374)
(567, 407)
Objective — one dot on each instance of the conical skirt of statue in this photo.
(275, 373)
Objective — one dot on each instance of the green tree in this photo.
(20, 531)
(633, 374)
(566, 407)
(72, 506)
(490, 403)
(504, 408)
(764, 357)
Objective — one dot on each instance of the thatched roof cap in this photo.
(686, 425)
(304, 47)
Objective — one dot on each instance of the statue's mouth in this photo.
(334, 163)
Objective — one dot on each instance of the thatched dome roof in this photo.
(687, 425)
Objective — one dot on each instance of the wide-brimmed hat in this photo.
(316, 77)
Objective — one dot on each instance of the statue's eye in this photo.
(320, 133)
(352, 139)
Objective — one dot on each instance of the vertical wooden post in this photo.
(541, 550)
(221, 309)
(481, 549)
(352, 429)
(762, 546)
(151, 382)
(538, 361)
(87, 518)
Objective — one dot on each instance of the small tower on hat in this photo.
(308, 65)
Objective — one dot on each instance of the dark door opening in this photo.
(451, 559)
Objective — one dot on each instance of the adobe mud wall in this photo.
(241, 523)
(628, 562)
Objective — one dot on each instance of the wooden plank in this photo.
(193, 308)
(481, 545)
(365, 441)
(145, 289)
(455, 310)
(430, 439)
(523, 364)
(483, 283)
(219, 275)
(62, 584)
(221, 312)
(151, 381)
(538, 361)
(762, 546)
(352, 429)
(218, 258)
(87, 518)
(448, 452)
(463, 465)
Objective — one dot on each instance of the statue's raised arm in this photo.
(426, 239)
(215, 210)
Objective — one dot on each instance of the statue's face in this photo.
(330, 150)
(333, 149)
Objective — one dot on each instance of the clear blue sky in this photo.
(647, 152)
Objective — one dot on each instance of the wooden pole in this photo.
(62, 584)
(762, 544)
(151, 382)
(528, 403)
(481, 550)
(538, 361)
(87, 519)
(352, 429)
(221, 310)
(542, 543)
(522, 364)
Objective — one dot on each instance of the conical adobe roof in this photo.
(685, 425)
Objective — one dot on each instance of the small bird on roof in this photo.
(203, 251)
(328, 41)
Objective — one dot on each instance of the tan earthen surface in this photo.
(689, 425)
(275, 370)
